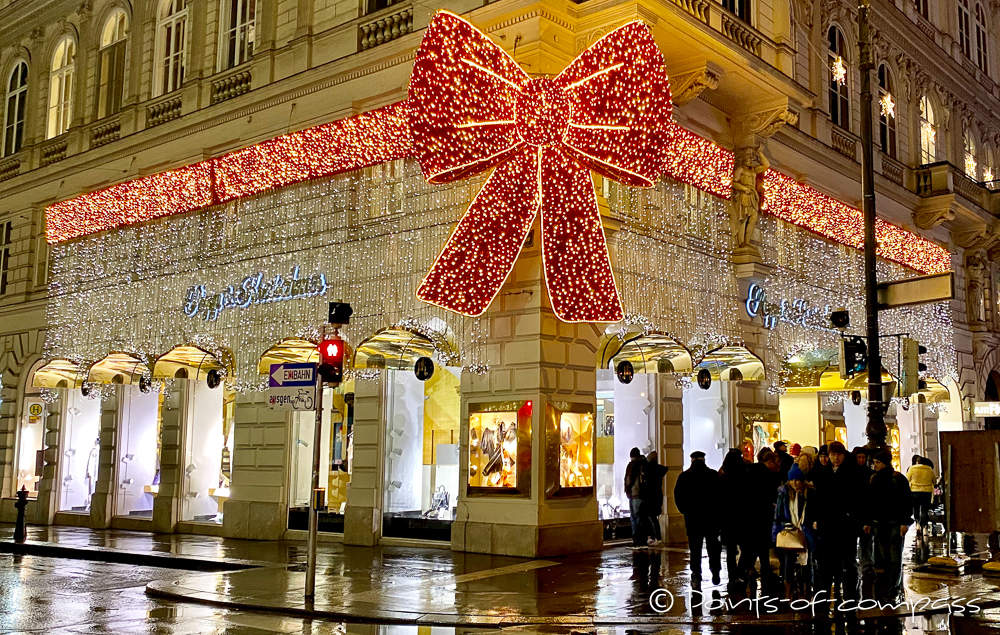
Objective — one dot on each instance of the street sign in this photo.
(986, 409)
(936, 287)
(292, 387)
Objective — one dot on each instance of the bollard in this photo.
(22, 502)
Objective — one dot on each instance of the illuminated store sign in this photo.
(796, 311)
(252, 290)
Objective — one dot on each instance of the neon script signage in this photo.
(252, 290)
(796, 311)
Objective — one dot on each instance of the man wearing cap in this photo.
(887, 517)
(697, 496)
(838, 525)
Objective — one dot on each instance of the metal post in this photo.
(313, 509)
(876, 430)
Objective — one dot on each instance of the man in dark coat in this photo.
(651, 476)
(866, 549)
(764, 480)
(632, 493)
(696, 495)
(838, 524)
(786, 460)
(887, 517)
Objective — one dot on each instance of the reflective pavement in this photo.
(426, 586)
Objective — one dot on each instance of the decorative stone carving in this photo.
(931, 218)
(85, 10)
(748, 187)
(975, 297)
(685, 88)
(978, 237)
(749, 130)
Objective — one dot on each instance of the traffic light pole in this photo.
(876, 430)
(314, 503)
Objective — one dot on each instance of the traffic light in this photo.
(853, 356)
(910, 382)
(331, 360)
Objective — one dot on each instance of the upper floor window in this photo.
(377, 5)
(923, 8)
(887, 112)
(970, 157)
(982, 50)
(17, 94)
(111, 64)
(237, 18)
(61, 88)
(840, 102)
(741, 8)
(171, 46)
(963, 28)
(928, 132)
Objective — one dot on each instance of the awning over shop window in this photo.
(936, 392)
(830, 381)
(652, 353)
(393, 349)
(59, 373)
(290, 351)
(117, 368)
(186, 361)
(732, 363)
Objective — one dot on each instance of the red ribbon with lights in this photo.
(472, 108)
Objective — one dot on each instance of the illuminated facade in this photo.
(699, 228)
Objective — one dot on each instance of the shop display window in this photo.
(208, 457)
(31, 438)
(834, 431)
(80, 449)
(500, 448)
(138, 466)
(421, 460)
(707, 422)
(625, 419)
(337, 448)
(569, 434)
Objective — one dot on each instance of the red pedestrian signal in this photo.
(331, 360)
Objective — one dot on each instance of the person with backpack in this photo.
(651, 475)
(632, 493)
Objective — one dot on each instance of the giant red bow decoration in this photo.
(473, 108)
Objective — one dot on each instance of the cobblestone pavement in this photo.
(419, 585)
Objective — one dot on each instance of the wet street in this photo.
(56, 595)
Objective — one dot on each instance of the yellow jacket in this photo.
(921, 478)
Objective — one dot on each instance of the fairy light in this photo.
(987, 174)
(887, 106)
(474, 108)
(839, 70)
(970, 165)
(929, 133)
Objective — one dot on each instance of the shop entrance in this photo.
(336, 449)
(422, 410)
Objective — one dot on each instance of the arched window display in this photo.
(422, 409)
(335, 471)
(208, 458)
(137, 467)
(625, 420)
(79, 451)
(57, 374)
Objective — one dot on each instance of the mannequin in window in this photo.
(748, 186)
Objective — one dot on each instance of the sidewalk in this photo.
(437, 586)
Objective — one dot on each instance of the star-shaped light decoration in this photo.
(839, 70)
(970, 165)
(888, 105)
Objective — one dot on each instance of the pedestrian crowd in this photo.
(835, 519)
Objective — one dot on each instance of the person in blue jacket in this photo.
(794, 511)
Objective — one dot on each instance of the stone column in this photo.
(48, 486)
(174, 417)
(258, 504)
(102, 503)
(538, 358)
(363, 513)
(670, 413)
